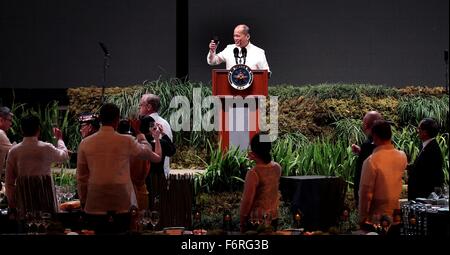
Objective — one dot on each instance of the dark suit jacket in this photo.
(168, 150)
(426, 172)
(366, 150)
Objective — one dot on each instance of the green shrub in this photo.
(411, 110)
(225, 171)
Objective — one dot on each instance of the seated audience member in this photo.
(261, 194)
(426, 173)
(29, 184)
(381, 176)
(89, 124)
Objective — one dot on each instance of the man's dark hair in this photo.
(30, 125)
(146, 123)
(109, 113)
(125, 127)
(261, 149)
(430, 126)
(382, 129)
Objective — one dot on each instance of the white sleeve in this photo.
(213, 59)
(264, 64)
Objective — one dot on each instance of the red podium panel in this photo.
(222, 89)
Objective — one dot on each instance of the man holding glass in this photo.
(103, 172)
(241, 52)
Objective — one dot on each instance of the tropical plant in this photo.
(406, 139)
(285, 151)
(411, 110)
(64, 178)
(225, 172)
(128, 103)
(443, 141)
(349, 130)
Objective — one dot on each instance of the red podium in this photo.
(222, 88)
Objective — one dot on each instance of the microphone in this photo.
(236, 54)
(105, 50)
(244, 54)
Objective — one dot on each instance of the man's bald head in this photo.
(369, 120)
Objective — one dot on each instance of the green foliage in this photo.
(128, 102)
(406, 139)
(225, 172)
(349, 130)
(411, 110)
(212, 207)
(285, 151)
(322, 156)
(337, 91)
(65, 178)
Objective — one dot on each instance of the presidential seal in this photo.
(240, 77)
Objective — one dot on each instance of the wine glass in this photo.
(154, 219)
(30, 221)
(216, 40)
(145, 220)
(46, 217)
(59, 194)
(69, 193)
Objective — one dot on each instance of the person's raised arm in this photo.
(213, 58)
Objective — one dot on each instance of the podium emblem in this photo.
(240, 77)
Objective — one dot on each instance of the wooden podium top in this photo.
(221, 87)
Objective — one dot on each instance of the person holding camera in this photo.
(155, 180)
(149, 106)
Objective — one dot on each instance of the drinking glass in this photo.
(68, 193)
(154, 219)
(145, 220)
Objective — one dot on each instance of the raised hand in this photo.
(57, 133)
(212, 46)
(155, 132)
(356, 149)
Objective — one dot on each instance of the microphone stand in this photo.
(446, 70)
(106, 58)
(105, 66)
